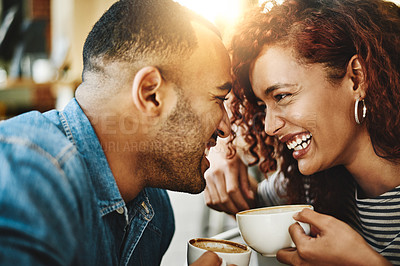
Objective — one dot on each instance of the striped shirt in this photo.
(271, 190)
(380, 223)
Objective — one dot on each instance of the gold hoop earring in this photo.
(364, 111)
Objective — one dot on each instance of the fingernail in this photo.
(296, 216)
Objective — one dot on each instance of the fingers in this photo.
(208, 258)
(245, 183)
(301, 240)
(227, 197)
(234, 190)
(216, 195)
(224, 190)
(318, 222)
(306, 245)
(211, 195)
(287, 256)
(298, 235)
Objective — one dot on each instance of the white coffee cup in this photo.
(230, 252)
(266, 230)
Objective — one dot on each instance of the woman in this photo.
(317, 93)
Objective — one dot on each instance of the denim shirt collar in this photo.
(79, 130)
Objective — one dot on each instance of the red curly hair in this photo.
(328, 32)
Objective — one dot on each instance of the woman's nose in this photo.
(273, 123)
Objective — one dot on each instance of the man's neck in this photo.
(119, 143)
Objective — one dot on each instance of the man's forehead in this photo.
(210, 46)
(209, 27)
(210, 61)
(205, 35)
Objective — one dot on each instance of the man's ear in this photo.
(145, 90)
(357, 75)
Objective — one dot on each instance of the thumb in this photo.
(297, 234)
(317, 221)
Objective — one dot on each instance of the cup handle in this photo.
(306, 227)
(223, 262)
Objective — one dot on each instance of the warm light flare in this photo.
(279, 2)
(215, 11)
(261, 2)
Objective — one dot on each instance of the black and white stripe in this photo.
(380, 223)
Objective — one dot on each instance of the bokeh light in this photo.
(215, 10)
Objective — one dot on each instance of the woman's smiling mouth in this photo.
(299, 142)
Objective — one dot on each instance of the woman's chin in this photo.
(305, 168)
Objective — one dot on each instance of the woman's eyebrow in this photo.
(270, 89)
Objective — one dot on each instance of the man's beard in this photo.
(173, 159)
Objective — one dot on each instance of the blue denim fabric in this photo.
(60, 205)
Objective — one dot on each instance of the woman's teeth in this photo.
(299, 142)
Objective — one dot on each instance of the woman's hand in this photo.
(228, 185)
(332, 242)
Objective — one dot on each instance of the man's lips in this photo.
(211, 143)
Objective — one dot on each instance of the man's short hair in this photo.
(152, 32)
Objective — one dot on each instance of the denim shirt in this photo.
(59, 202)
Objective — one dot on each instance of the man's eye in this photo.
(222, 99)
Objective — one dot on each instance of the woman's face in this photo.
(314, 117)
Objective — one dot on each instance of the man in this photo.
(85, 186)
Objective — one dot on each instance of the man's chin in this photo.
(197, 185)
(190, 190)
(199, 190)
(204, 164)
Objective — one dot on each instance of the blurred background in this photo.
(41, 45)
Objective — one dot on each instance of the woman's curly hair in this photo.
(328, 32)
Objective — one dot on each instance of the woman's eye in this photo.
(281, 96)
(261, 104)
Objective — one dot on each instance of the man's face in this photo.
(178, 157)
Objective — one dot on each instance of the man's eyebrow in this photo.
(270, 89)
(227, 86)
